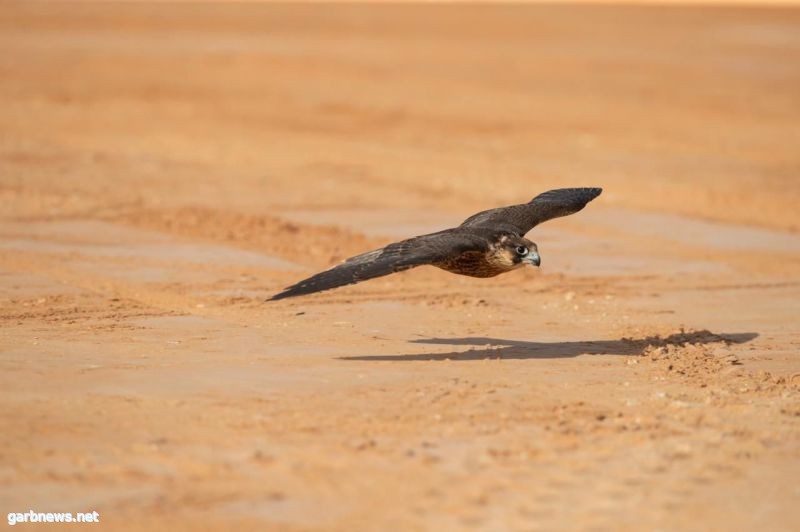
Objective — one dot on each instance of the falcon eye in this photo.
(522, 251)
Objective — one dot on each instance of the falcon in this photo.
(485, 245)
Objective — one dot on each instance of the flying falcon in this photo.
(484, 245)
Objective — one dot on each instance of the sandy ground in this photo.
(164, 169)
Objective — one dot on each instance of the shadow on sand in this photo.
(514, 349)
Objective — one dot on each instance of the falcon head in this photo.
(512, 251)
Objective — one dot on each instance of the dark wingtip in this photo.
(585, 194)
(280, 295)
(590, 192)
(300, 289)
(594, 192)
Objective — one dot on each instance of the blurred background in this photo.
(690, 110)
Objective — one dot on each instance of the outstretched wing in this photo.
(545, 206)
(393, 258)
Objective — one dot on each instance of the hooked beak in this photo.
(533, 258)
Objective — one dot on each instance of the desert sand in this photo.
(165, 168)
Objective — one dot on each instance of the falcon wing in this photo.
(393, 258)
(545, 206)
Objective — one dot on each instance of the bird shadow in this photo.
(483, 347)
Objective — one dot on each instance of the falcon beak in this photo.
(533, 258)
